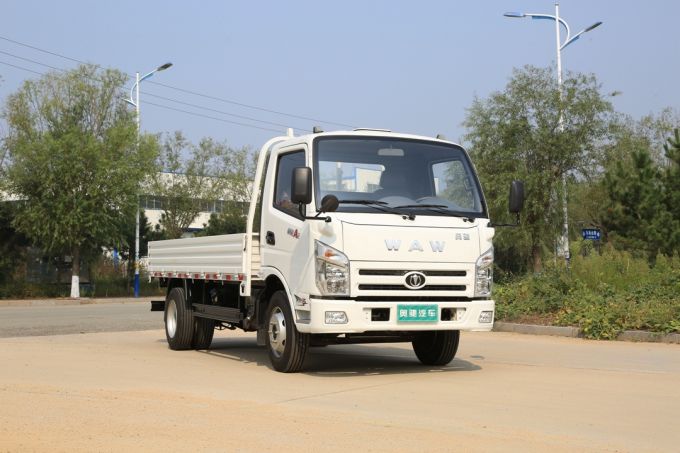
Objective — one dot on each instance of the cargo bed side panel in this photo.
(222, 254)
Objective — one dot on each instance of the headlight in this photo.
(484, 274)
(332, 271)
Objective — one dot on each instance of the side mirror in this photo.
(516, 202)
(301, 186)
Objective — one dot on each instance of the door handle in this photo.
(270, 238)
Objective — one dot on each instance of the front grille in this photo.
(398, 273)
(396, 280)
(412, 297)
(404, 288)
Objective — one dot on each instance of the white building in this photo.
(153, 209)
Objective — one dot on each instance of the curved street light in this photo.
(564, 242)
(135, 103)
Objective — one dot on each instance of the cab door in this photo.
(282, 228)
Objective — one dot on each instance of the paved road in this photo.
(68, 319)
(504, 392)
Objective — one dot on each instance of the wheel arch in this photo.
(274, 281)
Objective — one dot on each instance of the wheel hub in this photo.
(277, 332)
(171, 318)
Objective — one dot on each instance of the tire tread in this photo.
(437, 348)
(185, 321)
(204, 330)
(293, 359)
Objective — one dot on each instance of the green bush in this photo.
(109, 280)
(19, 289)
(106, 279)
(602, 294)
(104, 287)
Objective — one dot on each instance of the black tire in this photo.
(179, 320)
(286, 346)
(204, 329)
(437, 347)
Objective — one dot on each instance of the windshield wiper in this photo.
(366, 202)
(379, 205)
(423, 206)
(442, 208)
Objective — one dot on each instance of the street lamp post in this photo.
(564, 240)
(135, 103)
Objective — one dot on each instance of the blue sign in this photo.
(591, 234)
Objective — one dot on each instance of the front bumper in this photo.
(360, 319)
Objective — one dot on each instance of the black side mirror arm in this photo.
(316, 217)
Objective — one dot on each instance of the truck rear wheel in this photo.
(287, 347)
(204, 329)
(179, 320)
(437, 347)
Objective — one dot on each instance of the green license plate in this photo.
(417, 313)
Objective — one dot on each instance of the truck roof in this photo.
(362, 132)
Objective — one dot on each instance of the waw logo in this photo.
(393, 245)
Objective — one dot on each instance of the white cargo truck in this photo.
(365, 236)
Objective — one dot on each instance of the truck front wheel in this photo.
(437, 347)
(179, 320)
(287, 347)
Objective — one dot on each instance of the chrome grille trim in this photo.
(395, 272)
(364, 287)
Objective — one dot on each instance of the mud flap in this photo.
(261, 336)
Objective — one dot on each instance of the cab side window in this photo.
(284, 178)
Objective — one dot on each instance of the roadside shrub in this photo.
(106, 280)
(602, 294)
(109, 280)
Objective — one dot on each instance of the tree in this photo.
(147, 232)
(232, 219)
(655, 129)
(643, 212)
(671, 182)
(240, 172)
(186, 176)
(12, 243)
(636, 204)
(191, 176)
(74, 163)
(514, 134)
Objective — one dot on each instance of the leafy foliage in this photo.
(515, 134)
(12, 243)
(240, 173)
(603, 295)
(189, 174)
(147, 232)
(643, 212)
(231, 220)
(671, 183)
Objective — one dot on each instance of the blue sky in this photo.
(407, 66)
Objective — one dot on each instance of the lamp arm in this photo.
(148, 75)
(131, 100)
(560, 20)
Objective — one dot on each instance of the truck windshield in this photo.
(418, 177)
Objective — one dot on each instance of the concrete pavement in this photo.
(503, 392)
